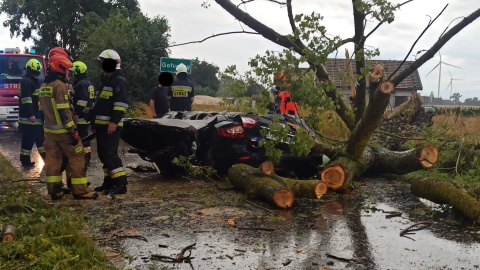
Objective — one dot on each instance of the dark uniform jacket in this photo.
(111, 101)
(181, 93)
(29, 90)
(83, 96)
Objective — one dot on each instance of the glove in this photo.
(75, 138)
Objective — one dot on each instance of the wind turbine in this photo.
(451, 83)
(439, 65)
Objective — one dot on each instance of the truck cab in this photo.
(12, 69)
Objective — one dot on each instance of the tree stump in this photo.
(8, 233)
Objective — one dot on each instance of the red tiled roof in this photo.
(337, 69)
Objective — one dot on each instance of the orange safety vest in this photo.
(287, 106)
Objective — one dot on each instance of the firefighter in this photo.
(61, 134)
(83, 96)
(181, 92)
(287, 106)
(30, 117)
(106, 118)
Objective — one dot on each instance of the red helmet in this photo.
(59, 51)
(60, 64)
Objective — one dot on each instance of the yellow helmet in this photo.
(78, 67)
(34, 65)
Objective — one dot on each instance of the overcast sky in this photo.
(190, 22)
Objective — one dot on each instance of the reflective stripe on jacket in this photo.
(111, 100)
(54, 103)
(28, 100)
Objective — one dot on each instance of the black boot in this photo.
(25, 160)
(57, 192)
(106, 185)
(117, 189)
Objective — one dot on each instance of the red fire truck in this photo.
(12, 68)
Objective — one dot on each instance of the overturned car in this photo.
(217, 139)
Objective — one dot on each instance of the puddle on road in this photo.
(178, 213)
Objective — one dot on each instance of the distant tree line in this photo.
(88, 27)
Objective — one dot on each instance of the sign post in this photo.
(170, 64)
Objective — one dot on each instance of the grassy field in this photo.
(467, 128)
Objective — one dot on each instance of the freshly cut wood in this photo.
(334, 176)
(309, 189)
(8, 233)
(428, 156)
(258, 185)
(386, 87)
(376, 73)
(444, 192)
(387, 161)
(267, 167)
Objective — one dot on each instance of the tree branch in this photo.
(415, 43)
(290, 16)
(436, 47)
(212, 36)
(257, 26)
(249, 1)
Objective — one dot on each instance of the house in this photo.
(338, 71)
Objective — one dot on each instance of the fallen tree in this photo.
(359, 154)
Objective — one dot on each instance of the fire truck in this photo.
(12, 69)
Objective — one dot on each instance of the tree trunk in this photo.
(444, 192)
(340, 172)
(258, 185)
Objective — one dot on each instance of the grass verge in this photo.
(47, 236)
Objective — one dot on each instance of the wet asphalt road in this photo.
(178, 212)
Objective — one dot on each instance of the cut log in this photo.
(404, 162)
(444, 192)
(267, 167)
(334, 176)
(309, 189)
(256, 184)
(8, 233)
(428, 156)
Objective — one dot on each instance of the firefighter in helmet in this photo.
(106, 119)
(61, 134)
(30, 117)
(181, 92)
(82, 96)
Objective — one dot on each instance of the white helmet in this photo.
(181, 68)
(110, 54)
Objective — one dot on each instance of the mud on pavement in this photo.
(161, 216)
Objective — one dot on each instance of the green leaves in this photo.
(139, 40)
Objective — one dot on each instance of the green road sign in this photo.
(170, 64)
